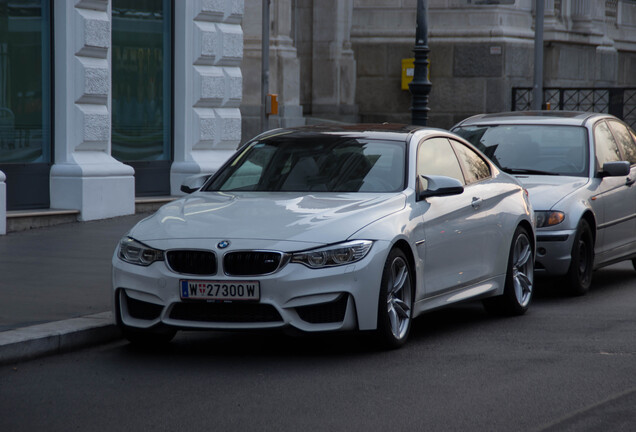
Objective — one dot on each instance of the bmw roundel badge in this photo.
(223, 244)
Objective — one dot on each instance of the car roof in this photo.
(572, 118)
(385, 131)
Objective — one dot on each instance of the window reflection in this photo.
(141, 63)
(24, 81)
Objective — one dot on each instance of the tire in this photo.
(395, 304)
(579, 276)
(151, 337)
(518, 287)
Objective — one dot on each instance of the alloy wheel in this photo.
(522, 270)
(399, 298)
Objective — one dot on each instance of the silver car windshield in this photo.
(532, 149)
(325, 164)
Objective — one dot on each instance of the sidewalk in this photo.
(55, 287)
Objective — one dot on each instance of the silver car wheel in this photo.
(522, 270)
(399, 297)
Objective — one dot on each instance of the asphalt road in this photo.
(568, 365)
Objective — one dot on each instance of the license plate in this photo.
(220, 290)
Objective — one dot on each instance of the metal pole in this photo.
(264, 65)
(420, 87)
(537, 90)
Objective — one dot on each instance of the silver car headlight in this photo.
(334, 255)
(548, 218)
(134, 252)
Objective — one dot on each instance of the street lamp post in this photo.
(537, 90)
(420, 87)
(264, 64)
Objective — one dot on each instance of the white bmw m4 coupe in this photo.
(324, 229)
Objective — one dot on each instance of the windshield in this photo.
(315, 164)
(532, 149)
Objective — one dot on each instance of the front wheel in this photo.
(519, 278)
(395, 305)
(579, 277)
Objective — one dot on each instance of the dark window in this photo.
(626, 140)
(25, 101)
(606, 148)
(322, 164)
(142, 91)
(532, 149)
(474, 167)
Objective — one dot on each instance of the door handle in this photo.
(476, 202)
(629, 181)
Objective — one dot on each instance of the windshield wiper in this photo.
(527, 171)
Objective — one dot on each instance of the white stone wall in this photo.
(208, 86)
(85, 177)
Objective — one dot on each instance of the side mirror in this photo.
(615, 169)
(440, 186)
(194, 183)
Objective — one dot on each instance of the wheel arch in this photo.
(588, 216)
(528, 227)
(404, 246)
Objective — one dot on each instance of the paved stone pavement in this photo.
(55, 287)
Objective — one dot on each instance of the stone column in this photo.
(85, 177)
(284, 73)
(3, 204)
(333, 62)
(208, 86)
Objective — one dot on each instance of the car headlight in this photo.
(334, 255)
(134, 252)
(548, 218)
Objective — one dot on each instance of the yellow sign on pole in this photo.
(408, 67)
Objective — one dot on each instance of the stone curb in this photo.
(56, 337)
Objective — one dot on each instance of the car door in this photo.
(625, 138)
(613, 199)
(458, 246)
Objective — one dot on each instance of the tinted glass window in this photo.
(25, 92)
(435, 156)
(626, 140)
(606, 148)
(532, 149)
(315, 164)
(141, 63)
(475, 168)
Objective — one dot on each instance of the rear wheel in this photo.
(395, 305)
(579, 277)
(519, 278)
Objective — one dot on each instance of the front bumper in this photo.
(329, 299)
(554, 252)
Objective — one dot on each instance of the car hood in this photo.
(320, 218)
(546, 191)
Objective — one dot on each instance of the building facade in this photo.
(348, 54)
(103, 101)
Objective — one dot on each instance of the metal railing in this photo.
(618, 101)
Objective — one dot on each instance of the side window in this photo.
(474, 167)
(606, 148)
(626, 140)
(435, 156)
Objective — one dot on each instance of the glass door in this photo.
(25, 102)
(142, 91)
